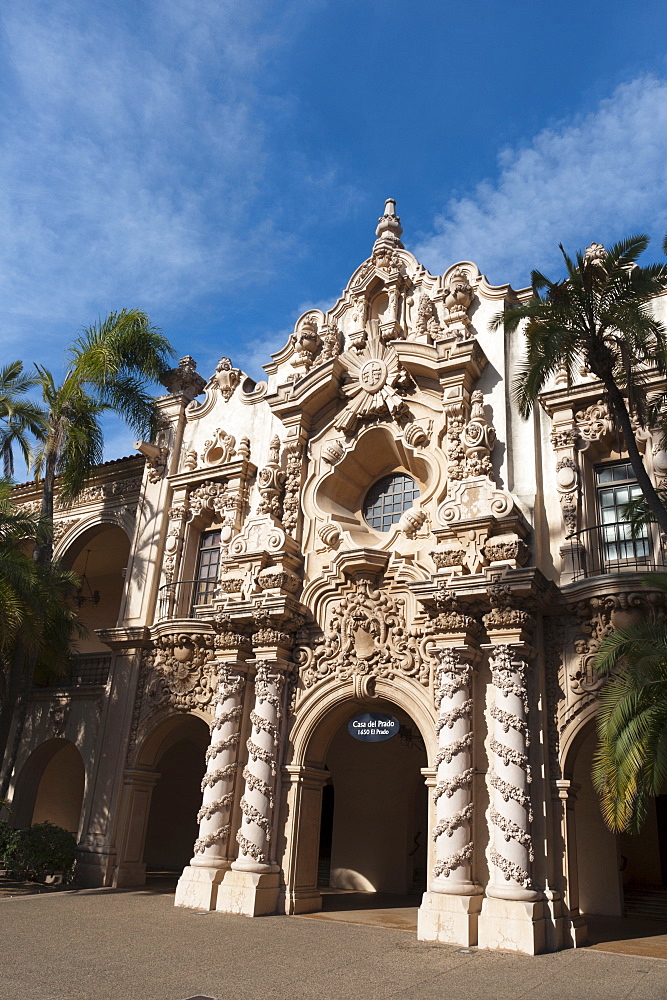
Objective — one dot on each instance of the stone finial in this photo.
(595, 254)
(389, 225)
(185, 379)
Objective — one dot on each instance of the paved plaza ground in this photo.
(135, 945)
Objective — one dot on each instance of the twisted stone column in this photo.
(511, 811)
(257, 804)
(221, 766)
(196, 885)
(449, 910)
(454, 776)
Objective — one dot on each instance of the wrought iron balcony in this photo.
(85, 670)
(184, 598)
(610, 548)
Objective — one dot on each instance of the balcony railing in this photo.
(85, 670)
(184, 598)
(610, 548)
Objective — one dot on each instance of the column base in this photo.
(513, 925)
(449, 919)
(94, 868)
(297, 901)
(129, 874)
(578, 930)
(198, 888)
(249, 894)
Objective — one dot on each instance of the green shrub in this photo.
(6, 834)
(39, 850)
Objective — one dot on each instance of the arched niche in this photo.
(100, 553)
(51, 786)
(340, 493)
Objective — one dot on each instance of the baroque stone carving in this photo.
(307, 343)
(292, 490)
(454, 774)
(329, 534)
(510, 775)
(271, 482)
(185, 379)
(416, 435)
(477, 440)
(458, 299)
(375, 387)
(502, 614)
(367, 634)
(595, 422)
(226, 378)
(567, 484)
(331, 343)
(427, 318)
(210, 496)
(220, 448)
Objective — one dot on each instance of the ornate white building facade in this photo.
(372, 529)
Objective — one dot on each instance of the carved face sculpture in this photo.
(373, 375)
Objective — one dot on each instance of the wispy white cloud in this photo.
(134, 147)
(598, 177)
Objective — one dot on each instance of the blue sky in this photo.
(222, 164)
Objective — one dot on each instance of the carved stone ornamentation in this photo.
(211, 496)
(333, 452)
(411, 521)
(506, 548)
(177, 672)
(367, 634)
(221, 768)
(416, 435)
(257, 805)
(331, 343)
(226, 378)
(511, 852)
(219, 449)
(458, 299)
(454, 775)
(594, 423)
(177, 518)
(271, 482)
(477, 439)
(184, 380)
(503, 614)
(567, 484)
(307, 343)
(329, 534)
(456, 421)
(427, 318)
(375, 386)
(292, 490)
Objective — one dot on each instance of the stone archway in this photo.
(390, 777)
(603, 867)
(50, 787)
(161, 798)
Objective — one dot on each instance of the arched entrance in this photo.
(379, 817)
(50, 787)
(612, 871)
(162, 798)
(368, 835)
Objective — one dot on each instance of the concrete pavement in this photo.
(135, 945)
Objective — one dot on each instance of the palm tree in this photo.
(630, 764)
(37, 619)
(599, 316)
(19, 417)
(110, 367)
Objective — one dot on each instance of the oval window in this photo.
(388, 498)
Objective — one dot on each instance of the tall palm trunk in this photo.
(617, 402)
(15, 706)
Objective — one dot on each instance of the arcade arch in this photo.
(51, 786)
(375, 821)
(603, 865)
(163, 792)
(100, 552)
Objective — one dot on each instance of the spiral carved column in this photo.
(511, 811)
(454, 776)
(197, 886)
(252, 885)
(451, 905)
(257, 804)
(513, 914)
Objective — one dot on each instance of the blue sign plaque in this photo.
(373, 727)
